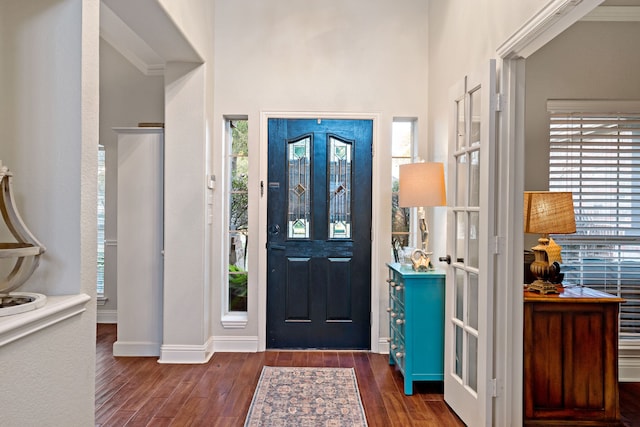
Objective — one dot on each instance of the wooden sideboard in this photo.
(571, 358)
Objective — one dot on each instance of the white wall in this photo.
(48, 138)
(333, 56)
(463, 36)
(127, 97)
(590, 60)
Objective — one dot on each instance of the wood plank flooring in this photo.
(138, 391)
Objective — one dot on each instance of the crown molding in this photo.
(614, 14)
(551, 20)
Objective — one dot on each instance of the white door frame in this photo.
(550, 21)
(262, 221)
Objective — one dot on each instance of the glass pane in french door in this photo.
(461, 136)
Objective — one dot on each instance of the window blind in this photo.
(596, 156)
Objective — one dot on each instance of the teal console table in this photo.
(416, 324)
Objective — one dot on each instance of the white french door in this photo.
(468, 371)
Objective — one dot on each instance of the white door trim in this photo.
(262, 220)
(544, 26)
(551, 20)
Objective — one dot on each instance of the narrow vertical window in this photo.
(299, 210)
(339, 189)
(100, 266)
(402, 152)
(238, 198)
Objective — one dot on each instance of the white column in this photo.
(140, 222)
(187, 293)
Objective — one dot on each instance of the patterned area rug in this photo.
(306, 397)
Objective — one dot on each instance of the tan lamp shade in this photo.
(549, 212)
(422, 184)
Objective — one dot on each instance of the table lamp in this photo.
(422, 184)
(547, 212)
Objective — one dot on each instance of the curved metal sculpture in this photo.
(27, 249)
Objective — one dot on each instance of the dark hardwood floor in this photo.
(138, 391)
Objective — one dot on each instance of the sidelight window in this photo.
(237, 134)
(402, 152)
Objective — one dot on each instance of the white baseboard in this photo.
(136, 348)
(629, 369)
(107, 316)
(383, 345)
(186, 354)
(236, 344)
(629, 361)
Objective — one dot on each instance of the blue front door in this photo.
(318, 234)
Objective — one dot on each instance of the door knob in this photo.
(446, 259)
(274, 229)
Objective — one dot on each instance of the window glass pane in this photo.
(403, 137)
(299, 209)
(239, 166)
(472, 360)
(238, 197)
(240, 137)
(595, 155)
(473, 242)
(339, 189)
(461, 227)
(473, 301)
(459, 288)
(462, 172)
(474, 179)
(460, 124)
(476, 102)
(399, 216)
(237, 272)
(101, 194)
(458, 354)
(238, 219)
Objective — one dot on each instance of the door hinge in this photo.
(373, 151)
(493, 387)
(499, 102)
(498, 244)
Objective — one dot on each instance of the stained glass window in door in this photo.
(339, 189)
(299, 209)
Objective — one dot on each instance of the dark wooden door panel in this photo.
(339, 290)
(298, 293)
(318, 234)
